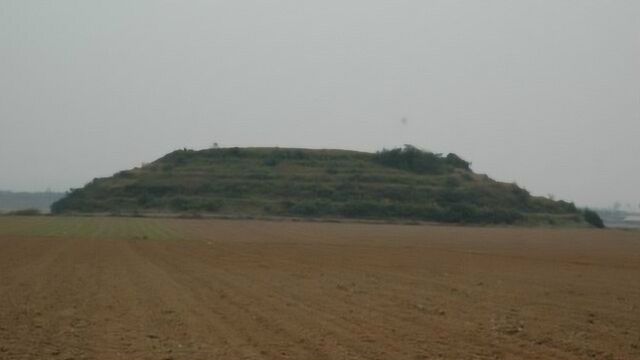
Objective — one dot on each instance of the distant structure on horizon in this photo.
(633, 219)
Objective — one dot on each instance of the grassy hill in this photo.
(392, 184)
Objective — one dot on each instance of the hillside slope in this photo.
(396, 184)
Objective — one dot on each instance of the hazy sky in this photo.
(544, 93)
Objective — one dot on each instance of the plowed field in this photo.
(116, 288)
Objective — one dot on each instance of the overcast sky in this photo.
(544, 93)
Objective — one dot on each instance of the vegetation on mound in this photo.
(415, 160)
(593, 218)
(405, 183)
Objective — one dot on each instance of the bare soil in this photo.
(214, 289)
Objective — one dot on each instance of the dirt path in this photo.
(264, 290)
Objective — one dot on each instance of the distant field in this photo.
(12, 201)
(138, 288)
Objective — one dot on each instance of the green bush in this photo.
(25, 212)
(415, 160)
(195, 204)
(411, 159)
(593, 218)
(457, 162)
(311, 208)
(212, 205)
(332, 170)
(179, 204)
(361, 209)
(271, 162)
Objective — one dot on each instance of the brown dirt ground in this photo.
(214, 289)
